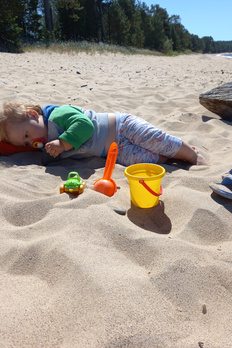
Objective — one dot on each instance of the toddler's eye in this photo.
(26, 136)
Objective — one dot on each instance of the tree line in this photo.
(119, 22)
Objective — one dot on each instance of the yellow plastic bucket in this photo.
(145, 184)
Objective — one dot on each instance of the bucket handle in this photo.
(141, 181)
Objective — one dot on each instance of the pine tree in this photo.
(9, 30)
(30, 21)
(119, 24)
(158, 33)
(136, 32)
(68, 16)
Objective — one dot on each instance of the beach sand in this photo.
(74, 273)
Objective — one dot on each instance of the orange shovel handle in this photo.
(110, 161)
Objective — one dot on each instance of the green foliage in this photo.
(30, 21)
(137, 37)
(118, 22)
(208, 44)
(197, 44)
(168, 46)
(157, 33)
(68, 15)
(10, 31)
(222, 46)
(88, 25)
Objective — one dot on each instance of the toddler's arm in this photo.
(57, 146)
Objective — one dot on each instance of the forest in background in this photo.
(127, 23)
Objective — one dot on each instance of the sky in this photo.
(201, 17)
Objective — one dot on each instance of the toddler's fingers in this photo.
(49, 150)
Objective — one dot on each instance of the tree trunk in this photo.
(48, 16)
(102, 21)
(96, 20)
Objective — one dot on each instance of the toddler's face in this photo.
(26, 132)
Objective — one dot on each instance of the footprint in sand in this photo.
(205, 227)
(26, 213)
(187, 117)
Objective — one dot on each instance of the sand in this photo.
(74, 273)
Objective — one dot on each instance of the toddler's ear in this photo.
(33, 114)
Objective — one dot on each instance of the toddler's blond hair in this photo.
(13, 113)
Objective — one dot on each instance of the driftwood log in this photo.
(219, 100)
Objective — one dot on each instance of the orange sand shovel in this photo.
(106, 185)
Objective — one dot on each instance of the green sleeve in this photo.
(77, 127)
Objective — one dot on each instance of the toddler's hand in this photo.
(54, 147)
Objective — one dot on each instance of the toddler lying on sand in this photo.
(70, 131)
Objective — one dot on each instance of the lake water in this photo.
(227, 55)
